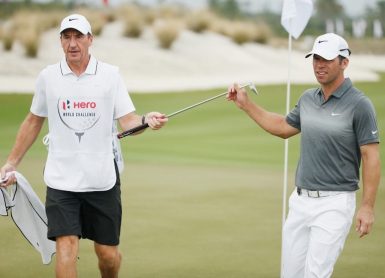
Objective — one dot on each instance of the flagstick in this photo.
(286, 155)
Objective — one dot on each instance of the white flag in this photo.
(295, 15)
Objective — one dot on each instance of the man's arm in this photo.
(273, 123)
(370, 178)
(155, 120)
(27, 134)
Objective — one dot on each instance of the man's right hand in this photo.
(7, 175)
(238, 95)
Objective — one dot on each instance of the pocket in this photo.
(292, 198)
(350, 203)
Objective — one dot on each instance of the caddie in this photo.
(81, 97)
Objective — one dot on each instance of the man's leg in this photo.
(63, 208)
(295, 238)
(66, 255)
(109, 260)
(329, 230)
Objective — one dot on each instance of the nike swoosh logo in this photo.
(335, 114)
(375, 132)
(322, 41)
(73, 19)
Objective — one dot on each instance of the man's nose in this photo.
(72, 41)
(320, 63)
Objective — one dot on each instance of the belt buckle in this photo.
(313, 194)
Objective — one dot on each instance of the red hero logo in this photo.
(78, 105)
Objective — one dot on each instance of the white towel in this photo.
(28, 213)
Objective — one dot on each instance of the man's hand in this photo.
(364, 220)
(155, 120)
(238, 95)
(7, 175)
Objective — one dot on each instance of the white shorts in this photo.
(315, 232)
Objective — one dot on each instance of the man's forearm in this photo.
(371, 172)
(26, 136)
(271, 122)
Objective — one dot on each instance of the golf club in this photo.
(250, 85)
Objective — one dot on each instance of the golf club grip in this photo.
(132, 130)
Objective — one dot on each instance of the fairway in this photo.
(201, 198)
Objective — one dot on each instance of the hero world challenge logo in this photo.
(78, 115)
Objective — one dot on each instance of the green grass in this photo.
(201, 197)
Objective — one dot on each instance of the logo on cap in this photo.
(70, 19)
(322, 41)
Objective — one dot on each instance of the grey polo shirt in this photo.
(331, 135)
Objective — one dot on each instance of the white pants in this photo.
(314, 234)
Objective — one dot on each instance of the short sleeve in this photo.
(39, 101)
(123, 103)
(365, 123)
(294, 117)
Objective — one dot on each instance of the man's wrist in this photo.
(11, 163)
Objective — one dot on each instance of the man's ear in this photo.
(344, 63)
(91, 37)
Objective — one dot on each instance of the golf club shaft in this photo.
(195, 105)
(144, 126)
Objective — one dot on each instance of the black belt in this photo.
(317, 193)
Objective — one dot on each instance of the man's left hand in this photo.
(364, 220)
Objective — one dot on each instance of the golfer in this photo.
(339, 131)
(81, 97)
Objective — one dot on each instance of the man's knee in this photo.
(111, 259)
(67, 247)
(109, 256)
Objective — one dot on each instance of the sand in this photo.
(196, 61)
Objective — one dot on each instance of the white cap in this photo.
(76, 21)
(329, 46)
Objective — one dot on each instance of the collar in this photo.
(91, 67)
(341, 90)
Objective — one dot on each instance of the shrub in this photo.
(242, 32)
(110, 16)
(221, 26)
(30, 39)
(8, 42)
(262, 33)
(133, 27)
(7, 36)
(199, 21)
(133, 21)
(166, 31)
(27, 28)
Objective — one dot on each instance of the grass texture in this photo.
(202, 198)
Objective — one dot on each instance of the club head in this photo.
(252, 87)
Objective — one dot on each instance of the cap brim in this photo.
(84, 32)
(326, 56)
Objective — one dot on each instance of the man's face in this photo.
(327, 71)
(75, 46)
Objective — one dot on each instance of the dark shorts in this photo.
(93, 215)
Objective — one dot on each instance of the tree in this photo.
(329, 9)
(381, 8)
(227, 8)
